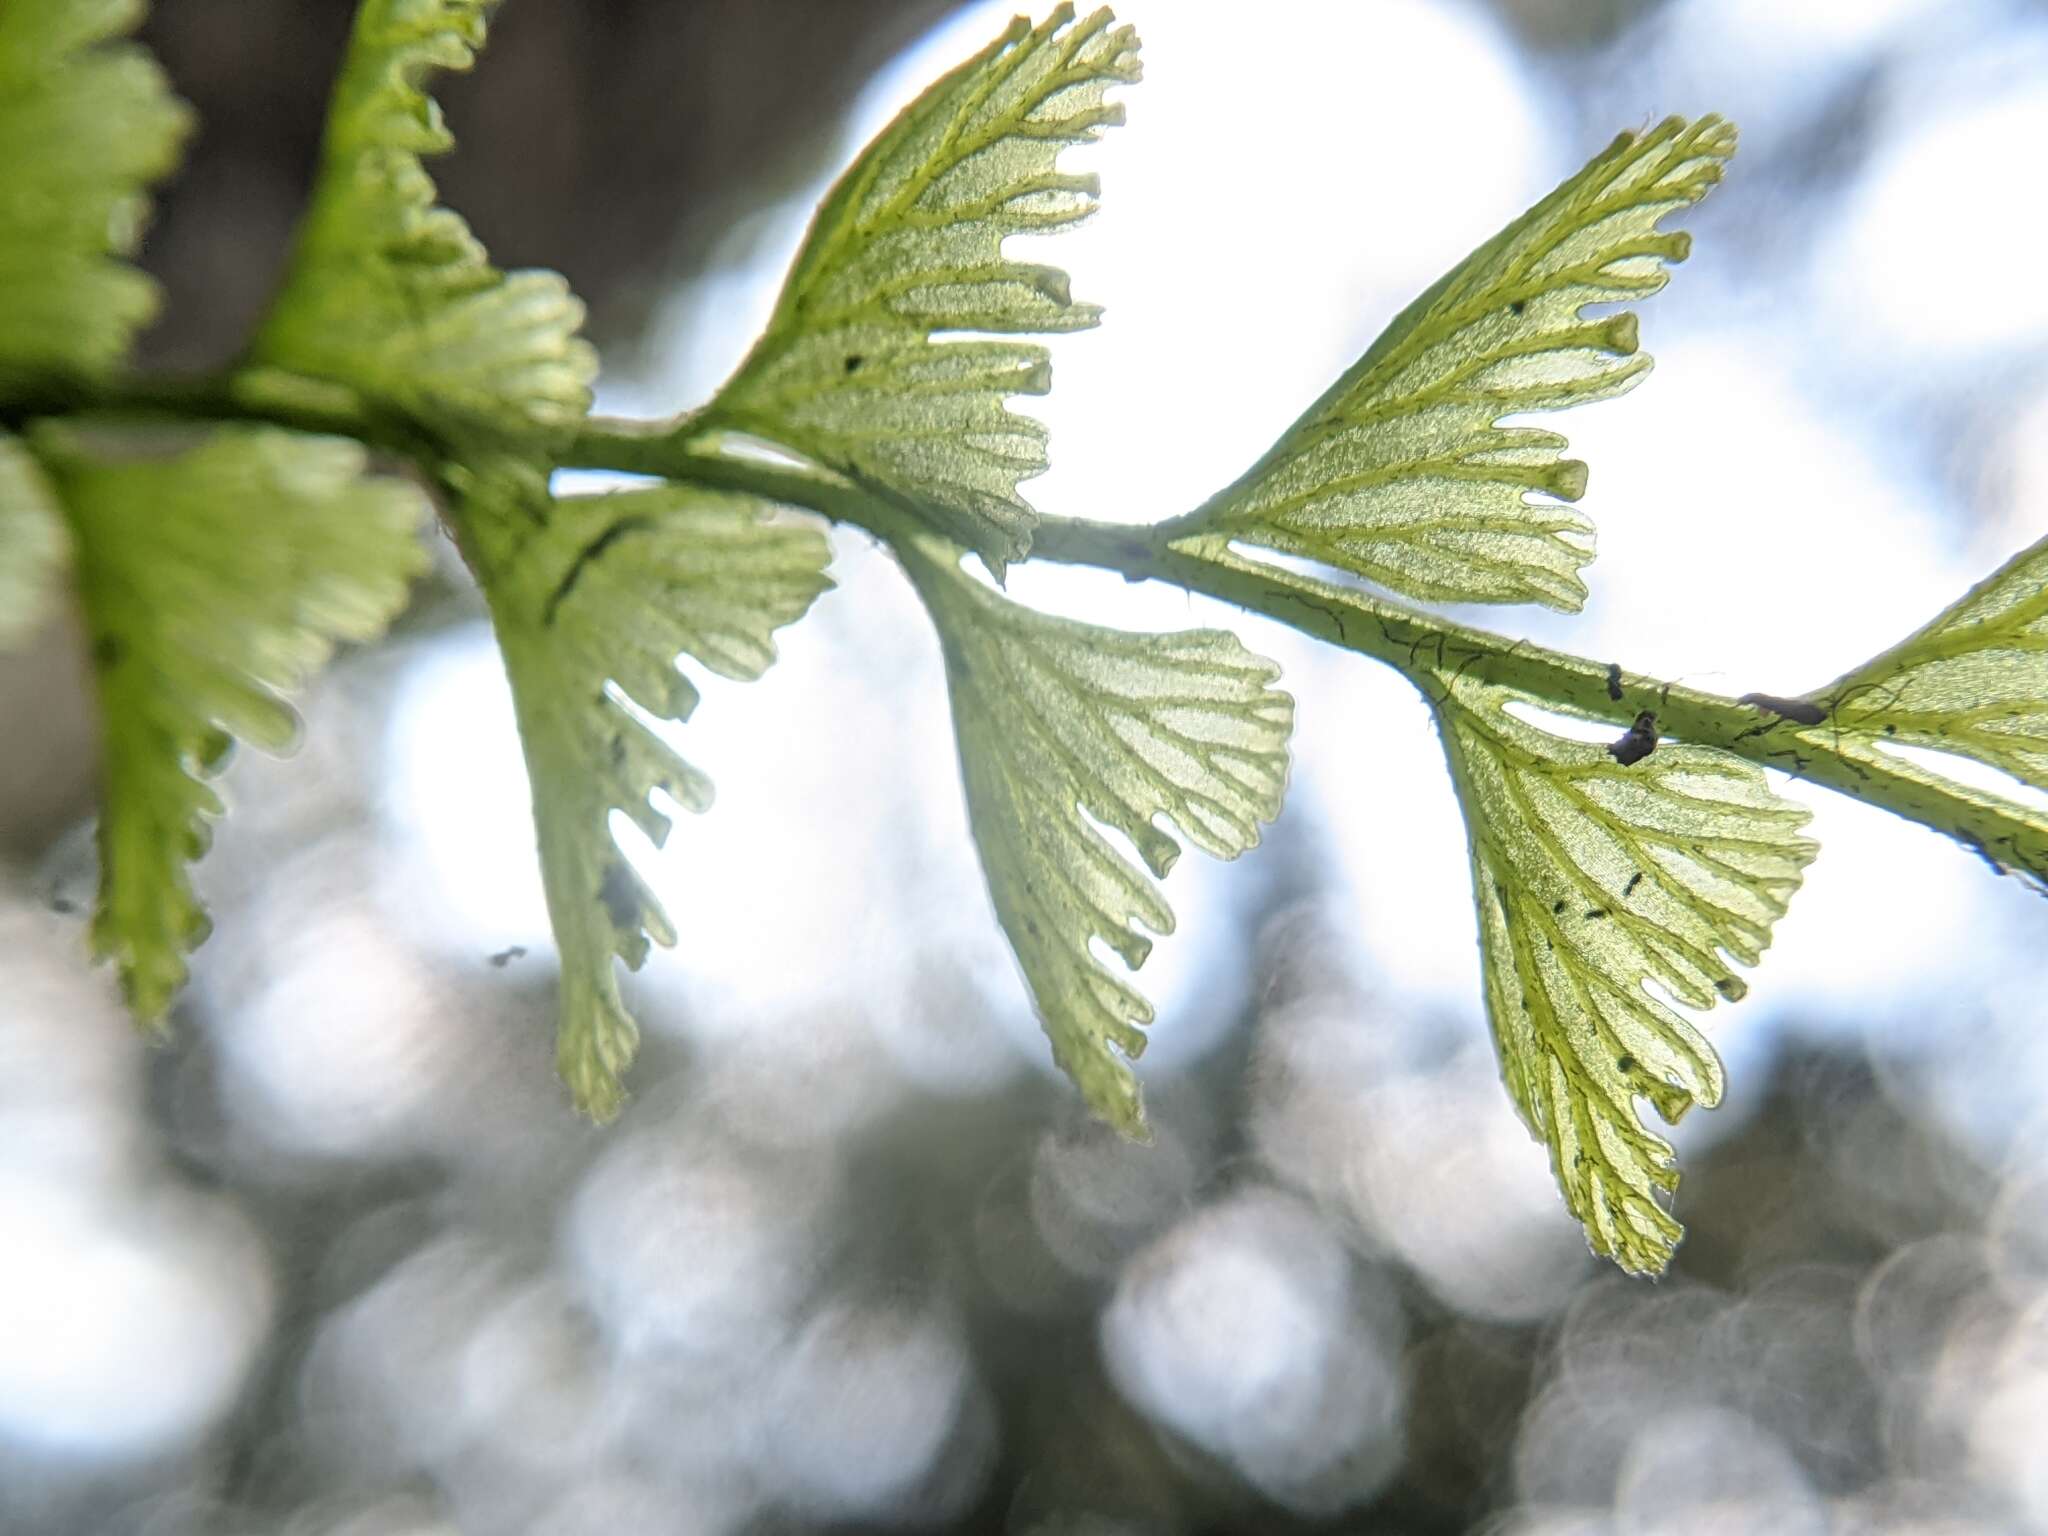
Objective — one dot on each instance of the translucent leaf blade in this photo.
(1972, 682)
(1068, 729)
(33, 543)
(87, 124)
(212, 583)
(1402, 472)
(1592, 879)
(593, 602)
(907, 248)
(391, 295)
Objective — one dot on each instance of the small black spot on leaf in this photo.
(1634, 880)
(1614, 681)
(619, 890)
(1557, 906)
(1596, 914)
(1625, 1064)
(853, 363)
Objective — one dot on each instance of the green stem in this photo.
(258, 395)
(1426, 649)
(681, 453)
(1423, 647)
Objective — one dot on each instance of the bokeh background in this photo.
(340, 1262)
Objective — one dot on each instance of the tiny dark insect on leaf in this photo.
(1637, 742)
(1799, 711)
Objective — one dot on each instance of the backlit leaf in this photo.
(211, 582)
(391, 295)
(1973, 682)
(33, 544)
(592, 607)
(1592, 879)
(87, 123)
(1067, 730)
(908, 247)
(1402, 472)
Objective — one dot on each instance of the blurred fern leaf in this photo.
(389, 294)
(33, 543)
(87, 123)
(210, 582)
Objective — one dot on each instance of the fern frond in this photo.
(908, 247)
(389, 294)
(1595, 875)
(1402, 472)
(87, 123)
(211, 583)
(1972, 682)
(1063, 726)
(592, 609)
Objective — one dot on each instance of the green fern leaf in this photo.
(592, 607)
(392, 296)
(33, 544)
(1592, 879)
(1402, 472)
(210, 582)
(1060, 722)
(1973, 682)
(86, 125)
(909, 246)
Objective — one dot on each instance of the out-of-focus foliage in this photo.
(32, 543)
(908, 247)
(210, 581)
(87, 124)
(591, 612)
(1592, 877)
(1402, 472)
(1062, 722)
(389, 294)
